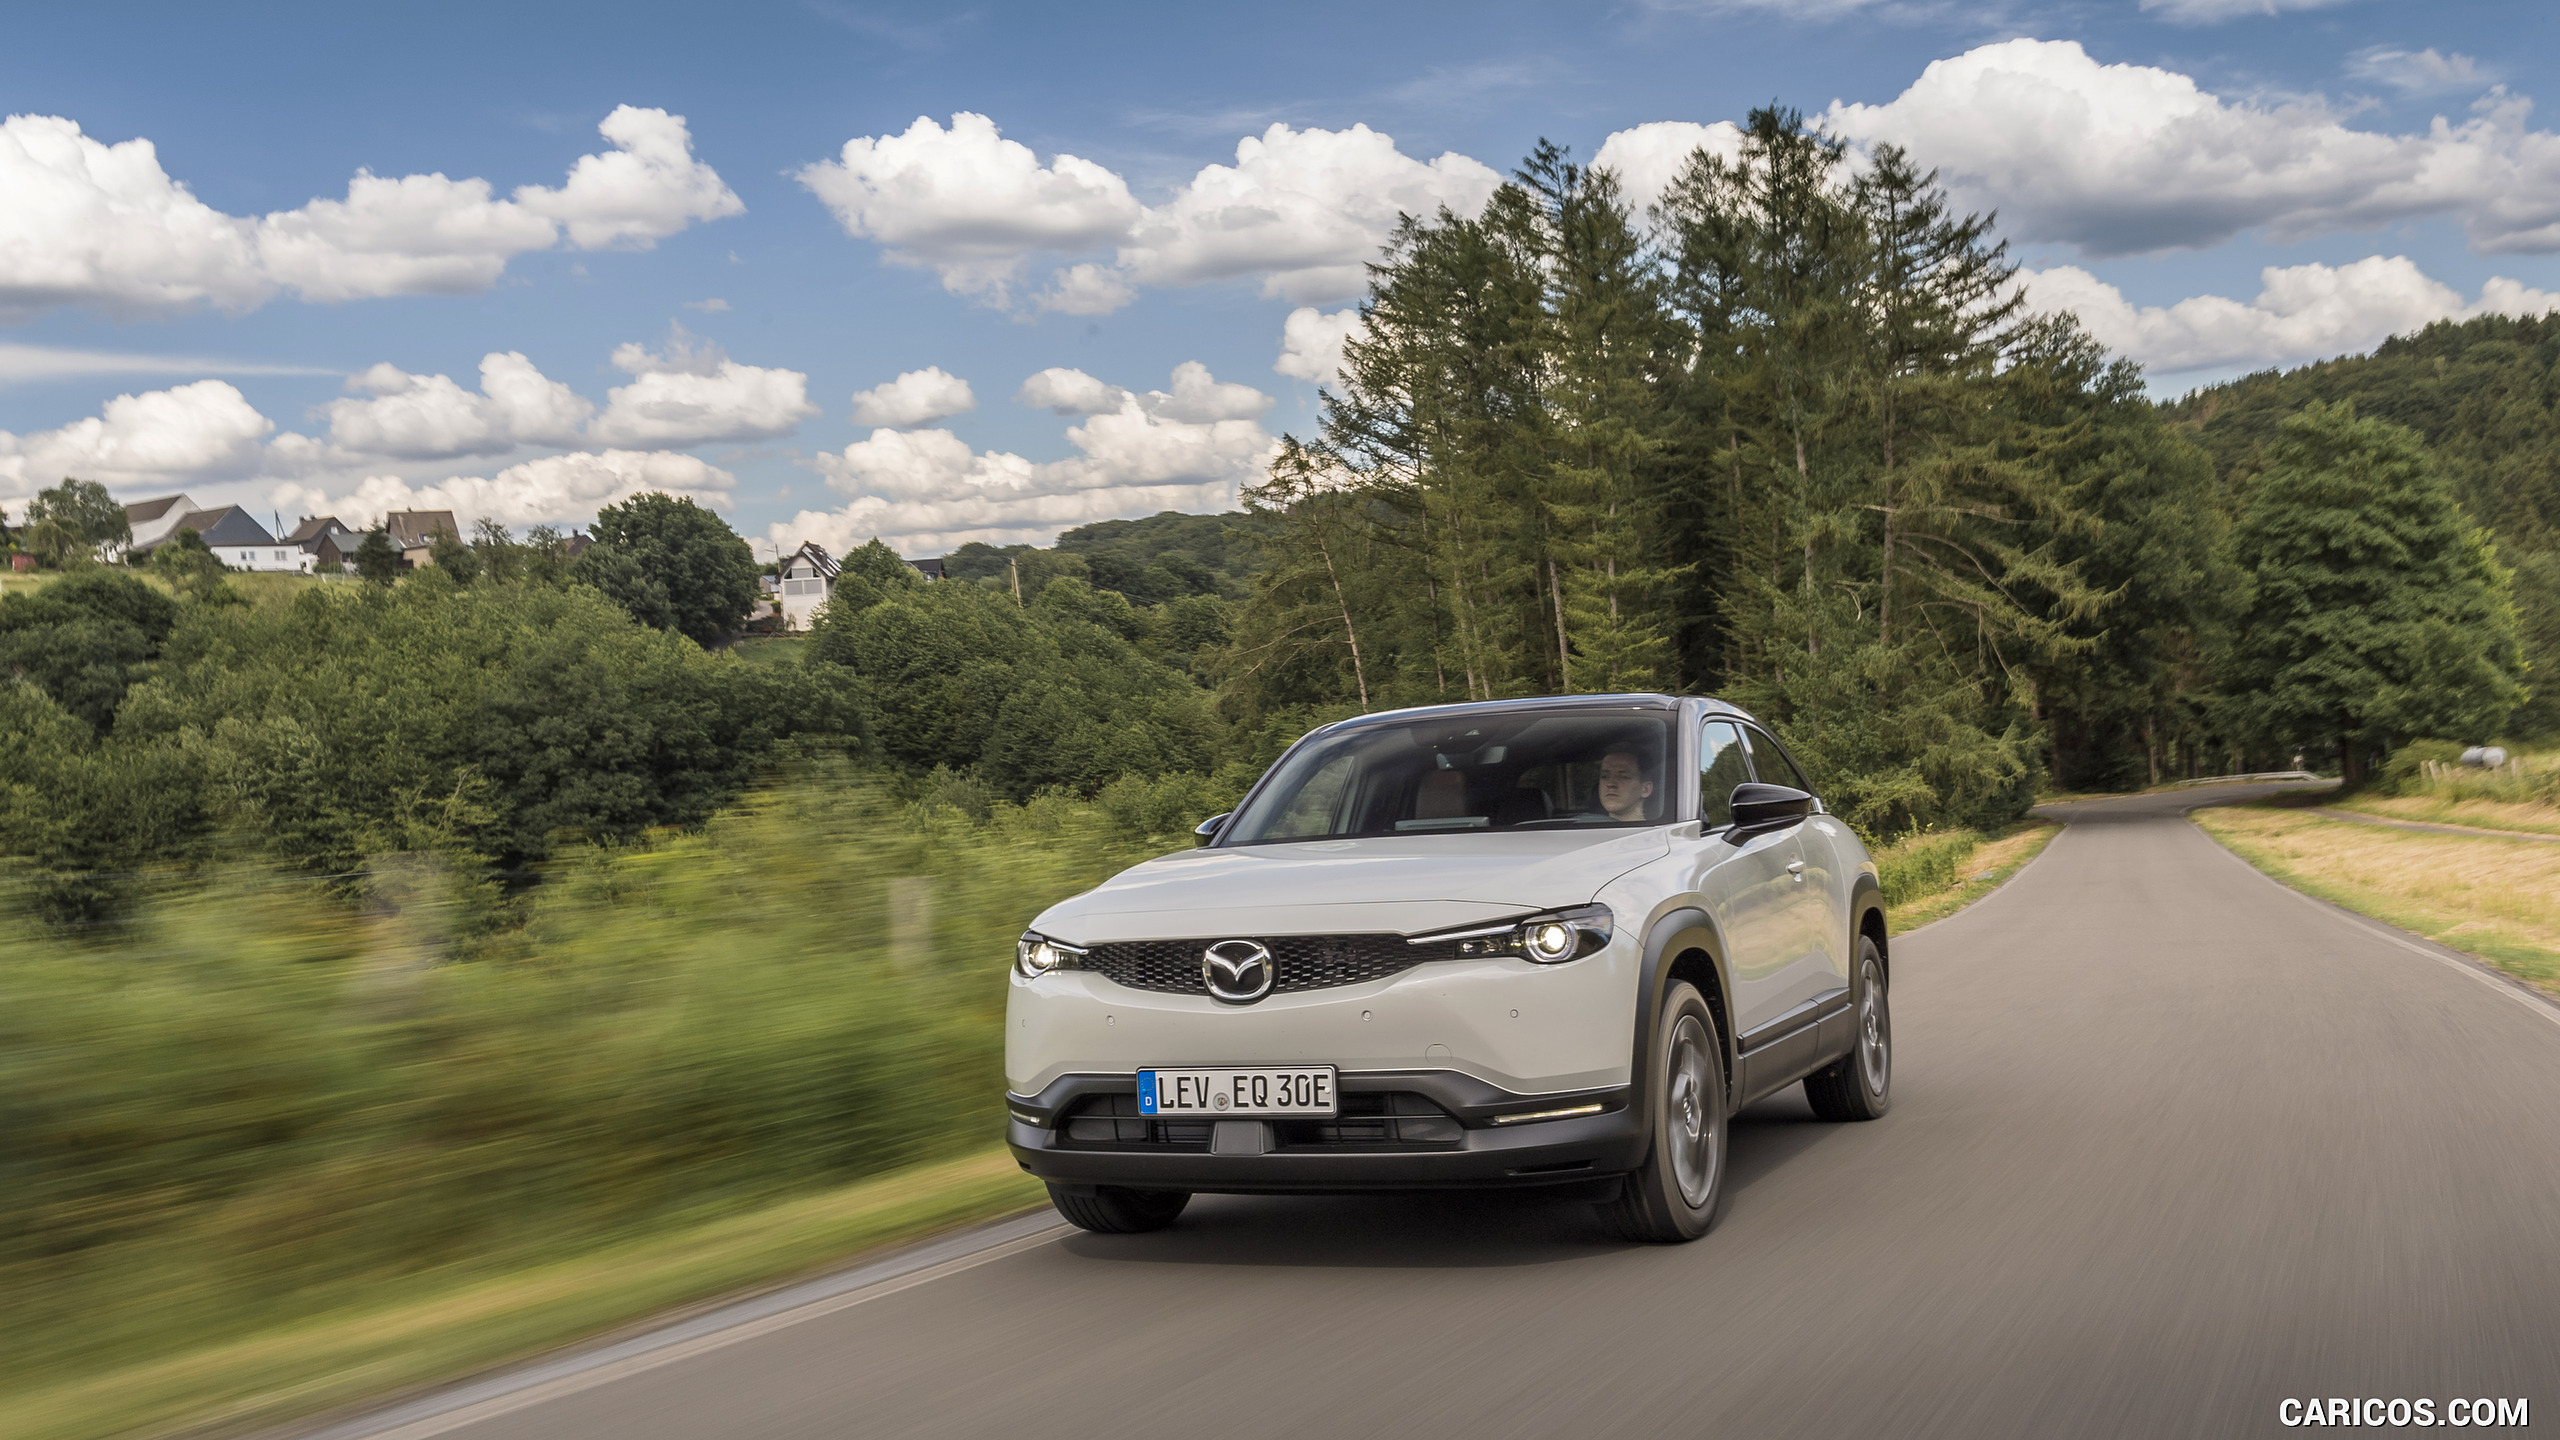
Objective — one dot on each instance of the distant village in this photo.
(794, 587)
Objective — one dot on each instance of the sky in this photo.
(941, 274)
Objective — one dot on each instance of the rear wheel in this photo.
(1112, 1210)
(1859, 1085)
(1673, 1196)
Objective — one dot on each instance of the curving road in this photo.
(2170, 1143)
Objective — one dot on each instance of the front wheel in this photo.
(1114, 1210)
(1673, 1196)
(1859, 1085)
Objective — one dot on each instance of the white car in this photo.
(1553, 942)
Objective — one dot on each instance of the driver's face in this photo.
(1623, 788)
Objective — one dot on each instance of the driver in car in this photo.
(1623, 787)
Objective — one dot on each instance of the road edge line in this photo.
(2542, 1006)
(474, 1402)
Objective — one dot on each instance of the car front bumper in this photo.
(1571, 1149)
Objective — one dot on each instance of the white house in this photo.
(233, 535)
(808, 576)
(152, 521)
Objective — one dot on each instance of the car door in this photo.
(1747, 887)
(1819, 924)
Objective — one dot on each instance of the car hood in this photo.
(1403, 884)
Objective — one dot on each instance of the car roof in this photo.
(1642, 700)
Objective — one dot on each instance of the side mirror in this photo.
(1759, 808)
(1208, 829)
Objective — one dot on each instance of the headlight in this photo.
(1036, 954)
(1546, 939)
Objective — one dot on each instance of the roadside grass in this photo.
(2494, 898)
(2525, 816)
(261, 1110)
(1931, 876)
(441, 1325)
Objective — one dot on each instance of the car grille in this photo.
(1391, 1120)
(1302, 962)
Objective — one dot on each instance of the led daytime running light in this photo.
(1035, 955)
(1545, 939)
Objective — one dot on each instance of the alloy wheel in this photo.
(1693, 1128)
(1875, 1029)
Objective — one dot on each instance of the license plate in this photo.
(1265, 1090)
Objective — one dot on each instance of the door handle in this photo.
(1796, 868)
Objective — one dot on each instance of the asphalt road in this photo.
(2169, 1144)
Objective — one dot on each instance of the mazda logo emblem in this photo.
(1239, 971)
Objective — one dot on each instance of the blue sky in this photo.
(698, 312)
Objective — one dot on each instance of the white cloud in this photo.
(1648, 157)
(918, 397)
(555, 488)
(1305, 210)
(22, 363)
(204, 430)
(968, 202)
(1199, 398)
(690, 393)
(2214, 12)
(645, 189)
(1185, 448)
(2117, 159)
(2302, 312)
(1069, 392)
(426, 417)
(2417, 72)
(88, 223)
(1311, 343)
(1086, 289)
(1302, 210)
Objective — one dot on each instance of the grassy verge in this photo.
(1930, 877)
(428, 1327)
(2523, 816)
(2493, 898)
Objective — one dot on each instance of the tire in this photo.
(1111, 1210)
(1673, 1196)
(1859, 1085)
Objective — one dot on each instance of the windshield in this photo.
(1548, 769)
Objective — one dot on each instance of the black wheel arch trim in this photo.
(1866, 894)
(1676, 933)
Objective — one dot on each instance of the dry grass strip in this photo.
(2478, 814)
(2497, 899)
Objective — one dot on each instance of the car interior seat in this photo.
(1442, 795)
(1521, 805)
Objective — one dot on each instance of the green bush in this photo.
(1923, 864)
(2405, 772)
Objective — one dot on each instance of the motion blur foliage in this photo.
(1073, 690)
(483, 723)
(272, 1102)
